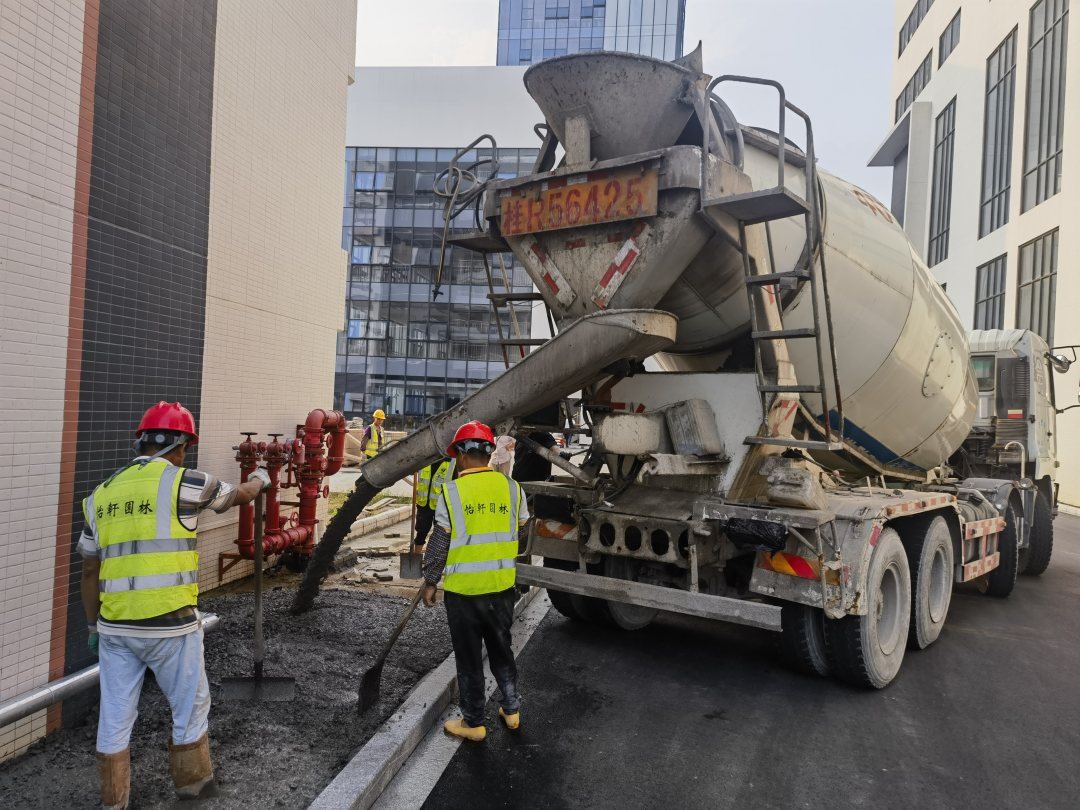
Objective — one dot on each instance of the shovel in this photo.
(258, 687)
(371, 680)
(411, 562)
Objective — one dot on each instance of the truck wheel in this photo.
(622, 615)
(868, 650)
(1036, 557)
(802, 642)
(562, 602)
(1001, 580)
(930, 557)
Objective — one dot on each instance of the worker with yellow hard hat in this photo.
(139, 589)
(371, 443)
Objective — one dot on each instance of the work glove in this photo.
(92, 641)
(259, 474)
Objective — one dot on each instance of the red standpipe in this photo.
(303, 457)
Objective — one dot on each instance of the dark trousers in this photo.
(483, 619)
(425, 518)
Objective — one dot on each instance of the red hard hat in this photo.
(477, 431)
(169, 416)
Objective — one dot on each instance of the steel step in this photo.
(523, 341)
(779, 334)
(806, 444)
(777, 278)
(790, 389)
(760, 206)
(501, 298)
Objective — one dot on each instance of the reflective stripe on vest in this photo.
(374, 442)
(149, 565)
(428, 488)
(484, 509)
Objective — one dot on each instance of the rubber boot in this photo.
(114, 773)
(191, 771)
(459, 728)
(512, 721)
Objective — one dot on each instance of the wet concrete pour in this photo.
(269, 754)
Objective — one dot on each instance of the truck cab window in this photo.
(984, 371)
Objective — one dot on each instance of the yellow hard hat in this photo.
(379, 414)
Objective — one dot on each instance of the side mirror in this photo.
(1059, 362)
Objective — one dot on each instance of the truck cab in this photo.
(1016, 404)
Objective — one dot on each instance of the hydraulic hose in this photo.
(323, 556)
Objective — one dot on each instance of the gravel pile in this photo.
(265, 754)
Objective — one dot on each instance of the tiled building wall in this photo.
(146, 239)
(40, 73)
(276, 274)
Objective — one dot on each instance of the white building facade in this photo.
(985, 152)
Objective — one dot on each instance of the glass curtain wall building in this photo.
(532, 30)
(401, 350)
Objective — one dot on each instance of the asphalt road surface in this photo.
(688, 714)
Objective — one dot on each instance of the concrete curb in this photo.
(359, 784)
(371, 523)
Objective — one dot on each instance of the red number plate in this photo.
(590, 199)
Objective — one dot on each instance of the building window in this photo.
(1045, 101)
(990, 294)
(941, 189)
(914, 86)
(911, 24)
(1036, 285)
(997, 136)
(949, 39)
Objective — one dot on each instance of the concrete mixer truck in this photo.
(783, 458)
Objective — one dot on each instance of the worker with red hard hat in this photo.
(139, 590)
(479, 521)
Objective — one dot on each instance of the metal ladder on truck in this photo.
(764, 290)
(462, 190)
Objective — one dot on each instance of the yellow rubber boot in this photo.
(459, 728)
(512, 721)
(192, 773)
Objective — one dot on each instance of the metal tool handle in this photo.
(260, 650)
(401, 624)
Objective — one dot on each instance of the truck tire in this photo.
(802, 642)
(621, 614)
(562, 602)
(867, 651)
(930, 556)
(1036, 557)
(1001, 580)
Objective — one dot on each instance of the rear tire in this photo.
(1001, 581)
(867, 651)
(563, 602)
(1037, 555)
(623, 615)
(930, 556)
(802, 642)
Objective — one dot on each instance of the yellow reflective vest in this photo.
(484, 511)
(374, 442)
(429, 487)
(149, 565)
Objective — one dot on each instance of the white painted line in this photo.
(372, 768)
(418, 777)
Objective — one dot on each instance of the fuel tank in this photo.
(902, 358)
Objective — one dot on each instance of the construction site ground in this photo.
(265, 754)
(692, 714)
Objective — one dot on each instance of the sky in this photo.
(834, 58)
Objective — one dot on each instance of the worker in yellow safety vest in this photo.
(429, 483)
(139, 589)
(478, 521)
(371, 443)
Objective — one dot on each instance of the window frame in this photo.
(1037, 118)
(990, 282)
(995, 196)
(941, 182)
(1044, 249)
(952, 31)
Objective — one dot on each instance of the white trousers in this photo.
(178, 667)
